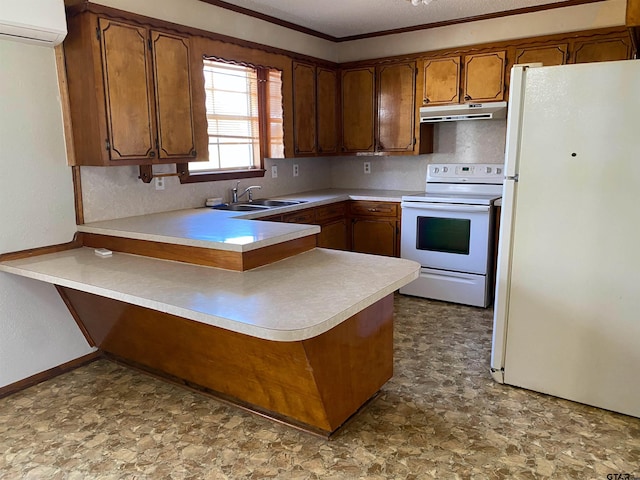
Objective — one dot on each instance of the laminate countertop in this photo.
(293, 299)
(228, 230)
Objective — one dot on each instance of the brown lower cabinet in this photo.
(335, 235)
(375, 228)
(357, 225)
(331, 219)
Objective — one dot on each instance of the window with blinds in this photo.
(238, 99)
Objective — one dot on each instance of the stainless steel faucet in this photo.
(248, 191)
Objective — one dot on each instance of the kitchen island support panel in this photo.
(226, 259)
(318, 382)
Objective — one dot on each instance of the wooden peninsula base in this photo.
(316, 383)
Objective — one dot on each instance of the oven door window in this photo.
(448, 235)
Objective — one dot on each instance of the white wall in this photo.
(547, 22)
(208, 17)
(36, 209)
(116, 192)
(204, 16)
(479, 141)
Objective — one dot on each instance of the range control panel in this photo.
(465, 173)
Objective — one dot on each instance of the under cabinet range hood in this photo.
(467, 111)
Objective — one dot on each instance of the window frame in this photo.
(186, 176)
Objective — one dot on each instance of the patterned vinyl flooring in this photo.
(441, 416)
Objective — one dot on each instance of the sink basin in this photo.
(240, 207)
(260, 204)
(275, 203)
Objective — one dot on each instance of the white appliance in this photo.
(567, 314)
(466, 111)
(40, 22)
(449, 231)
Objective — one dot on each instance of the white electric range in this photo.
(449, 230)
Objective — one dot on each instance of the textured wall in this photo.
(36, 209)
(116, 192)
(479, 141)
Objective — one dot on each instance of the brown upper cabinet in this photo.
(327, 105)
(478, 77)
(483, 77)
(315, 109)
(358, 109)
(130, 94)
(378, 108)
(441, 81)
(548, 55)
(602, 50)
(304, 108)
(396, 90)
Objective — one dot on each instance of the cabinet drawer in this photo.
(327, 212)
(301, 216)
(378, 209)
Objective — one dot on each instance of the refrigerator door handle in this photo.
(515, 177)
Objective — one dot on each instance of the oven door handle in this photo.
(451, 207)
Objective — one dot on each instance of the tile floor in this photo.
(441, 416)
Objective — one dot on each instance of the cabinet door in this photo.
(396, 87)
(376, 236)
(441, 81)
(602, 50)
(358, 109)
(334, 235)
(547, 55)
(304, 108)
(484, 76)
(128, 91)
(327, 104)
(174, 113)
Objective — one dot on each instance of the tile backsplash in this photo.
(116, 192)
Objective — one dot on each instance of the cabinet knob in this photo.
(426, 100)
(467, 97)
(194, 153)
(152, 154)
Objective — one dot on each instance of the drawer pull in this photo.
(372, 209)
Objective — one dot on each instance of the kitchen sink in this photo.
(260, 204)
(275, 203)
(240, 207)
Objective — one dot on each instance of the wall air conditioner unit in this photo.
(39, 22)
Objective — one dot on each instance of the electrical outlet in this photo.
(274, 171)
(159, 183)
(367, 167)
(296, 170)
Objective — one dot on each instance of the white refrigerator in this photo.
(567, 308)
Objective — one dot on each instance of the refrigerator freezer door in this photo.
(573, 321)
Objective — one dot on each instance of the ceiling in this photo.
(344, 19)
